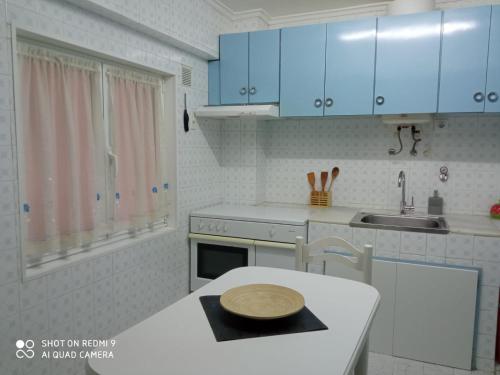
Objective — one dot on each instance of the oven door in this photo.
(212, 256)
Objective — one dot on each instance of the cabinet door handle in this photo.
(478, 97)
(252, 91)
(328, 102)
(318, 103)
(243, 91)
(379, 100)
(493, 96)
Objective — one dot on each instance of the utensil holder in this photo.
(321, 199)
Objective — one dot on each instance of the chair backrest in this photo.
(314, 252)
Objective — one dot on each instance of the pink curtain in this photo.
(134, 116)
(62, 137)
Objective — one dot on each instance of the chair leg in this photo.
(362, 365)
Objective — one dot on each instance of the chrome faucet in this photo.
(404, 209)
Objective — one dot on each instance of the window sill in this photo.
(56, 265)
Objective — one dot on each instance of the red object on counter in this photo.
(495, 211)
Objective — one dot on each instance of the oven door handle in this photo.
(277, 245)
(232, 240)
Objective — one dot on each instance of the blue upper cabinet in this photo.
(234, 68)
(464, 59)
(264, 66)
(302, 70)
(493, 78)
(407, 67)
(213, 83)
(350, 65)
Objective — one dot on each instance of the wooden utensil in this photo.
(262, 301)
(324, 178)
(312, 180)
(335, 173)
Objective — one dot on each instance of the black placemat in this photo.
(227, 326)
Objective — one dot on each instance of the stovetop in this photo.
(258, 214)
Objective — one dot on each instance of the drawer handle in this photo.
(252, 91)
(328, 102)
(318, 102)
(379, 100)
(243, 91)
(478, 97)
(493, 97)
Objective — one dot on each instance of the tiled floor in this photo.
(380, 364)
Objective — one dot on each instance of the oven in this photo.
(212, 256)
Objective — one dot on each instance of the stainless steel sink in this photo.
(427, 224)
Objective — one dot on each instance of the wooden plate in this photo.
(262, 301)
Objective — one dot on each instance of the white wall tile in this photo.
(363, 236)
(436, 245)
(59, 282)
(34, 292)
(9, 266)
(490, 272)
(388, 243)
(35, 321)
(487, 321)
(459, 246)
(414, 243)
(488, 297)
(487, 248)
(368, 177)
(486, 346)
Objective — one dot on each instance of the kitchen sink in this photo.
(426, 224)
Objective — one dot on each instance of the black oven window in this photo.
(215, 260)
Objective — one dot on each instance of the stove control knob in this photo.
(272, 232)
(210, 227)
(225, 229)
(201, 225)
(218, 228)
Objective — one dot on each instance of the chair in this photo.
(360, 260)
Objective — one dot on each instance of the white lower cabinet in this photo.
(426, 313)
(275, 257)
(434, 314)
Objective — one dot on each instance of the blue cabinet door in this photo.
(464, 59)
(234, 68)
(407, 67)
(264, 66)
(493, 78)
(302, 70)
(350, 66)
(213, 83)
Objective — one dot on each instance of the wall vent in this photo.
(186, 75)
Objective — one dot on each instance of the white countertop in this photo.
(298, 214)
(178, 340)
(478, 225)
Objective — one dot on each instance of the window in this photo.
(91, 165)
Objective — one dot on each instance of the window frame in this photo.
(169, 101)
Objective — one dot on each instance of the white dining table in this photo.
(179, 340)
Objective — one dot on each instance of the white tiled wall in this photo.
(455, 249)
(243, 161)
(109, 293)
(468, 146)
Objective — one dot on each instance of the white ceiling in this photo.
(286, 7)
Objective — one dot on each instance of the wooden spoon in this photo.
(324, 178)
(312, 180)
(335, 173)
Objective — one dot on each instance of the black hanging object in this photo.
(186, 116)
